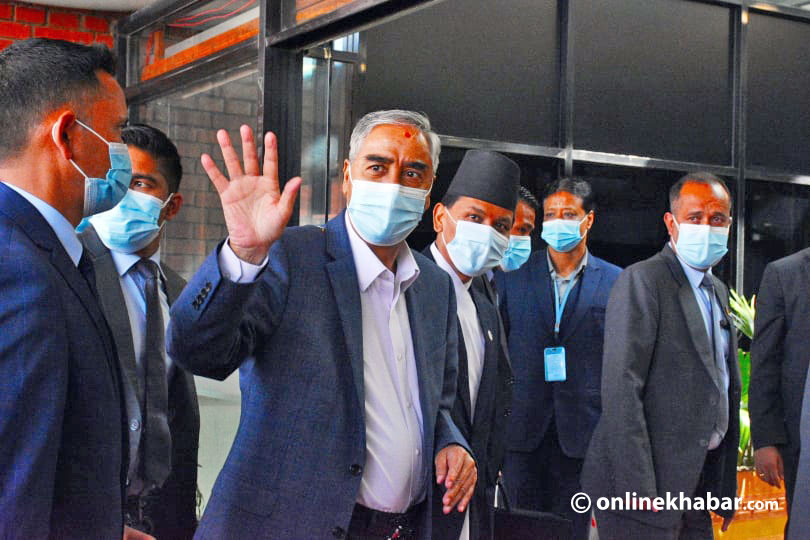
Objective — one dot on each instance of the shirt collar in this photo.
(125, 261)
(442, 263)
(369, 267)
(582, 264)
(64, 231)
(694, 275)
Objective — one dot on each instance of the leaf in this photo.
(743, 451)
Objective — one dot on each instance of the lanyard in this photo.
(560, 306)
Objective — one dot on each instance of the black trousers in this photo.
(545, 480)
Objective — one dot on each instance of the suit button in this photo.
(511, 381)
(356, 470)
(507, 412)
(713, 401)
(338, 532)
(134, 425)
(704, 442)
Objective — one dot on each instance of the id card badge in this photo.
(554, 363)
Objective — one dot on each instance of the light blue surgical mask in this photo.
(101, 194)
(132, 224)
(562, 234)
(385, 214)
(476, 247)
(517, 253)
(701, 246)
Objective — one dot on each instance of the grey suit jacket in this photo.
(780, 356)
(173, 507)
(660, 392)
(799, 527)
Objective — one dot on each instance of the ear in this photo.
(59, 133)
(346, 186)
(174, 206)
(589, 221)
(438, 217)
(669, 221)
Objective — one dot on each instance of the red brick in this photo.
(14, 30)
(4, 43)
(30, 15)
(67, 35)
(65, 20)
(96, 24)
(5, 11)
(105, 40)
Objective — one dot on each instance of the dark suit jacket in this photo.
(527, 306)
(486, 430)
(62, 455)
(660, 392)
(173, 508)
(295, 468)
(780, 355)
(799, 525)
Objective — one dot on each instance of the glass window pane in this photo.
(630, 206)
(192, 34)
(652, 79)
(778, 123)
(486, 70)
(778, 225)
(190, 118)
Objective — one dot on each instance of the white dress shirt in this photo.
(393, 475)
(470, 326)
(695, 277)
(64, 231)
(474, 344)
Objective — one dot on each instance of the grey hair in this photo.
(396, 117)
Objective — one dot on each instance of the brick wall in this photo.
(20, 20)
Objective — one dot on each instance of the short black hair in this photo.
(699, 177)
(156, 143)
(450, 199)
(39, 75)
(575, 186)
(526, 196)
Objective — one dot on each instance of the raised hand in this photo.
(256, 212)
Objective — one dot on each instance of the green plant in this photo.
(742, 313)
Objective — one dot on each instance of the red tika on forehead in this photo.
(407, 134)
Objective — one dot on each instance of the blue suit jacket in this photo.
(527, 307)
(61, 436)
(295, 467)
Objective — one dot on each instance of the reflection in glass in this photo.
(778, 225)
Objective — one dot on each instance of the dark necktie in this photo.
(707, 288)
(88, 272)
(156, 456)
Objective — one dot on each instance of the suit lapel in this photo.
(343, 277)
(693, 317)
(488, 319)
(111, 297)
(575, 311)
(543, 294)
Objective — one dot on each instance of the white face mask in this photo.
(476, 247)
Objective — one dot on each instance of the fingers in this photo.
(249, 155)
(462, 492)
(287, 201)
(441, 466)
(270, 165)
(229, 154)
(455, 461)
(213, 172)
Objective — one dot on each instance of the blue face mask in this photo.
(701, 246)
(101, 194)
(520, 247)
(476, 247)
(385, 214)
(132, 224)
(562, 234)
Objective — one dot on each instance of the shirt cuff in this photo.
(237, 270)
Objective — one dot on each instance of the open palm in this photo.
(256, 211)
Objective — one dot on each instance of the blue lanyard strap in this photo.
(560, 306)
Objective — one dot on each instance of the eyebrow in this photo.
(416, 165)
(144, 177)
(379, 159)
